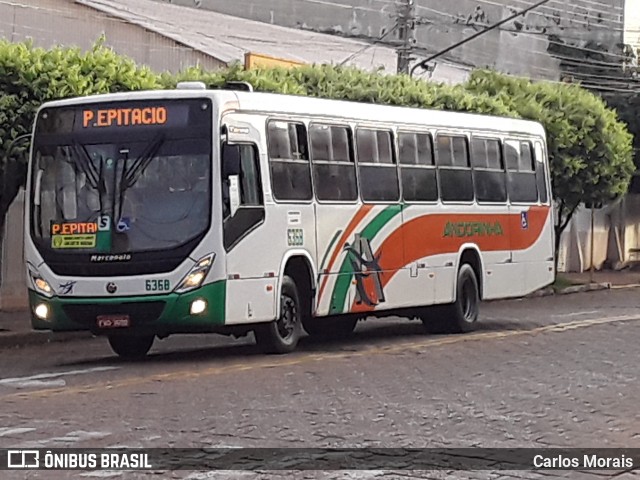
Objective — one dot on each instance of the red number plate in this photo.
(113, 321)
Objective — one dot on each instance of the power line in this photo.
(424, 63)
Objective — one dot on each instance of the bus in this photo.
(230, 211)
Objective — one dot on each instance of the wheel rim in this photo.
(286, 324)
(469, 301)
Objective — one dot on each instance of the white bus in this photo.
(229, 211)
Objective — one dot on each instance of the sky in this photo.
(632, 22)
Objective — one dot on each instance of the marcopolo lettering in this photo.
(124, 117)
(121, 257)
(472, 229)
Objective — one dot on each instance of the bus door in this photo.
(242, 210)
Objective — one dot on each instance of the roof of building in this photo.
(228, 38)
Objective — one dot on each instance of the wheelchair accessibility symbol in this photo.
(524, 220)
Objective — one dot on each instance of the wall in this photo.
(13, 289)
(519, 48)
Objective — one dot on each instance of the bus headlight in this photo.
(196, 276)
(42, 311)
(40, 284)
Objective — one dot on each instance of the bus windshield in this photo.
(141, 200)
(106, 181)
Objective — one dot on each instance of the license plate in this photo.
(113, 321)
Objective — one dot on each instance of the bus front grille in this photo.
(139, 313)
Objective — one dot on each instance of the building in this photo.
(531, 46)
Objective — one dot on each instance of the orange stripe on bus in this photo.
(424, 238)
(357, 218)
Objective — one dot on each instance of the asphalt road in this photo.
(549, 372)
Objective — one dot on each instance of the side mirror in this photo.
(234, 193)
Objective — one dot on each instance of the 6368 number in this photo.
(157, 285)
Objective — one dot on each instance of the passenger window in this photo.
(521, 177)
(488, 172)
(541, 173)
(334, 171)
(454, 174)
(512, 155)
(417, 172)
(289, 161)
(376, 165)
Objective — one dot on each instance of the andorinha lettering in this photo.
(75, 228)
(470, 229)
(124, 117)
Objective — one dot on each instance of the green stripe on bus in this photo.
(345, 273)
(329, 248)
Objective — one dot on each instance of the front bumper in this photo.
(156, 314)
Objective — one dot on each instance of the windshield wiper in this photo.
(138, 167)
(86, 165)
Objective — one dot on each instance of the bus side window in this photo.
(541, 174)
(241, 160)
(521, 176)
(289, 161)
(377, 166)
(454, 172)
(334, 170)
(417, 169)
(488, 170)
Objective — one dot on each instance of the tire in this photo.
(330, 327)
(461, 316)
(131, 347)
(283, 334)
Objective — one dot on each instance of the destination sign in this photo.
(130, 115)
(124, 117)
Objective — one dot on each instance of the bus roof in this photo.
(295, 105)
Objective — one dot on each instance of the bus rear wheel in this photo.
(462, 315)
(329, 327)
(283, 334)
(131, 347)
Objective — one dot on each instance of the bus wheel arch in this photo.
(461, 315)
(294, 304)
(471, 256)
(282, 334)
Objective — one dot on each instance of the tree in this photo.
(589, 148)
(30, 76)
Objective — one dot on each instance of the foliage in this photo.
(30, 76)
(346, 83)
(589, 148)
(627, 104)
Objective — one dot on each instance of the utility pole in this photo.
(406, 26)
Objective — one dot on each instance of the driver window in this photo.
(241, 160)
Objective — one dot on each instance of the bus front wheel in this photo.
(283, 334)
(460, 316)
(131, 347)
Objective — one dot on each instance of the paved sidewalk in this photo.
(15, 327)
(16, 331)
(620, 278)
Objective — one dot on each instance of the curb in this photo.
(589, 287)
(10, 340)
